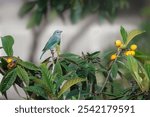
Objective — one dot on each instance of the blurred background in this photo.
(87, 25)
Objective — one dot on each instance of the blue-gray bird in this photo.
(52, 42)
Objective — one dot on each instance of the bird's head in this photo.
(58, 32)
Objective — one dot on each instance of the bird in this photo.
(52, 42)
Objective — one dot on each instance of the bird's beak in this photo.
(61, 31)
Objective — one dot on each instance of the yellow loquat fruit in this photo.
(132, 53)
(133, 47)
(128, 53)
(9, 60)
(118, 43)
(113, 57)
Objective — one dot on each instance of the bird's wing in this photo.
(51, 42)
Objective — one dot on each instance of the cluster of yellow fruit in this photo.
(130, 52)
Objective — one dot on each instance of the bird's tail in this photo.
(42, 54)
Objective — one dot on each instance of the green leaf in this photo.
(68, 55)
(58, 69)
(75, 93)
(145, 58)
(42, 4)
(145, 78)
(3, 63)
(28, 65)
(132, 64)
(37, 80)
(71, 58)
(114, 70)
(26, 7)
(47, 77)
(72, 93)
(147, 68)
(7, 43)
(36, 19)
(117, 88)
(44, 85)
(138, 73)
(68, 84)
(123, 34)
(132, 35)
(8, 80)
(23, 75)
(36, 89)
(76, 11)
(95, 54)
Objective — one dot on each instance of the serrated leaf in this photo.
(8, 80)
(114, 70)
(44, 85)
(7, 43)
(47, 77)
(71, 58)
(64, 66)
(36, 89)
(26, 7)
(124, 34)
(58, 69)
(28, 65)
(133, 34)
(37, 80)
(59, 81)
(68, 84)
(23, 75)
(138, 73)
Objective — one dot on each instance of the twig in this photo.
(109, 72)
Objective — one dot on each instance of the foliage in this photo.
(69, 76)
(145, 25)
(8, 42)
(78, 9)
